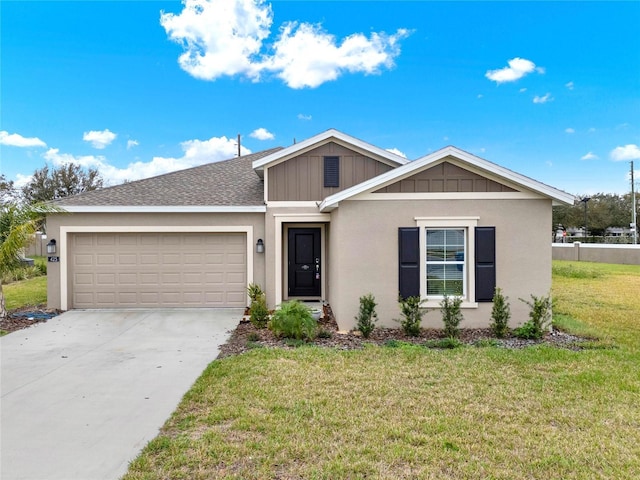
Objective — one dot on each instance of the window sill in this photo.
(429, 301)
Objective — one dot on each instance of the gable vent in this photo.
(331, 172)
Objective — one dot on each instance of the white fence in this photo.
(597, 252)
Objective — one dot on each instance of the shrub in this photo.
(444, 343)
(293, 320)
(254, 291)
(322, 333)
(451, 315)
(258, 312)
(411, 315)
(367, 316)
(539, 318)
(253, 337)
(500, 314)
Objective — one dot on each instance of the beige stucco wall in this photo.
(364, 246)
(118, 220)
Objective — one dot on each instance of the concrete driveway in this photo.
(83, 393)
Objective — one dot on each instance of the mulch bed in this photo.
(246, 337)
(27, 316)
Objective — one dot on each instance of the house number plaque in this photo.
(53, 259)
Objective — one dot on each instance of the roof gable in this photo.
(446, 176)
(331, 135)
(467, 161)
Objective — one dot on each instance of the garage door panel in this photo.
(157, 270)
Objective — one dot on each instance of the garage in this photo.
(157, 270)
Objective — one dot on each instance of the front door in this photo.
(304, 262)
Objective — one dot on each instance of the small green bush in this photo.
(500, 314)
(254, 291)
(411, 315)
(367, 316)
(322, 333)
(451, 315)
(486, 342)
(253, 337)
(293, 320)
(258, 312)
(539, 318)
(444, 343)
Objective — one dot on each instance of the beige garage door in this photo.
(154, 270)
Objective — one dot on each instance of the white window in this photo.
(446, 257)
(446, 270)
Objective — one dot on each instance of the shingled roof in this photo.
(227, 183)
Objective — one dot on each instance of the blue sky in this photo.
(548, 89)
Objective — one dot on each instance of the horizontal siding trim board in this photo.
(449, 196)
(66, 230)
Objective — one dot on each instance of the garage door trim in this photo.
(65, 231)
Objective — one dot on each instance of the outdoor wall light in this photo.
(51, 247)
(259, 246)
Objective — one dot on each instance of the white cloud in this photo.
(518, 68)
(196, 152)
(480, 96)
(21, 180)
(302, 116)
(542, 99)
(589, 156)
(522, 90)
(591, 130)
(132, 143)
(227, 37)
(306, 56)
(626, 153)
(397, 152)
(17, 140)
(99, 139)
(262, 134)
(569, 130)
(569, 85)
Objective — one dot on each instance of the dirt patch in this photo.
(27, 316)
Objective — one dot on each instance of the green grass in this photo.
(414, 412)
(26, 292)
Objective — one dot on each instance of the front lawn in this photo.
(414, 412)
(31, 292)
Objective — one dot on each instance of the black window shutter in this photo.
(485, 263)
(331, 172)
(409, 261)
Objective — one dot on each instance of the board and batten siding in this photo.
(445, 177)
(302, 178)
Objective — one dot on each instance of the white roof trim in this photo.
(558, 196)
(323, 137)
(164, 209)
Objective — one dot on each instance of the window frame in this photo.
(467, 224)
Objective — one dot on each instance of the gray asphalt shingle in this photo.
(226, 183)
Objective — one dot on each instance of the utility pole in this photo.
(239, 152)
(634, 219)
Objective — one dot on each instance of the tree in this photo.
(64, 181)
(7, 191)
(18, 223)
(604, 210)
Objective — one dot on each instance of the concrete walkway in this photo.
(83, 393)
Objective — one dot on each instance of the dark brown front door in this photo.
(304, 262)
